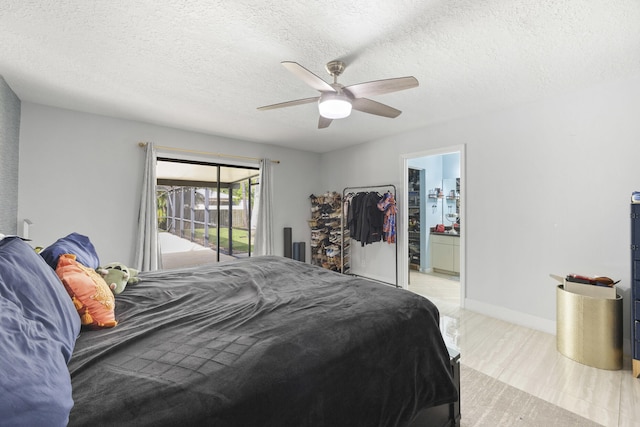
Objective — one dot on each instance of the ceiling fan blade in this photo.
(323, 122)
(378, 87)
(308, 77)
(372, 107)
(290, 103)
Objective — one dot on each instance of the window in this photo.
(206, 206)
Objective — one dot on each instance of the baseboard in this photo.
(511, 316)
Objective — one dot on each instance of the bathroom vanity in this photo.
(445, 252)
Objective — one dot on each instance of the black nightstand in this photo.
(448, 414)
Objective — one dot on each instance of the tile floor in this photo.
(178, 252)
(528, 360)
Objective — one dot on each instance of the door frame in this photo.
(404, 218)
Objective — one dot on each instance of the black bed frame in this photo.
(445, 415)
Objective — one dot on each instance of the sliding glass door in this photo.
(207, 206)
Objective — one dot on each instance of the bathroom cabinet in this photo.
(445, 253)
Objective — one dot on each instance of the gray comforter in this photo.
(265, 341)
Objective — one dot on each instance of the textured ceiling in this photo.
(206, 65)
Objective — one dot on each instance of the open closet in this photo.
(433, 193)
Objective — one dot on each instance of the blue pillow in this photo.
(75, 244)
(39, 326)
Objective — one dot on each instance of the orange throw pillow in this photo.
(89, 292)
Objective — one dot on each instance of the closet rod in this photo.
(205, 153)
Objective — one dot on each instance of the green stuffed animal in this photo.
(118, 276)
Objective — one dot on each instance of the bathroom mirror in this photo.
(451, 202)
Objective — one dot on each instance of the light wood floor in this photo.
(528, 360)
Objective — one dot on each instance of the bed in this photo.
(263, 341)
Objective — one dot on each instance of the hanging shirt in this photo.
(388, 205)
(373, 219)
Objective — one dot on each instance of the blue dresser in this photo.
(635, 287)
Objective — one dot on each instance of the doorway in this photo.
(434, 231)
(204, 211)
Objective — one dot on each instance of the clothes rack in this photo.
(347, 190)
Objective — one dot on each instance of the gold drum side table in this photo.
(589, 330)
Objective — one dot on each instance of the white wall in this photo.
(82, 172)
(557, 175)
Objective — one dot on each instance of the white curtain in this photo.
(148, 256)
(264, 227)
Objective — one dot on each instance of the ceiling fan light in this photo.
(334, 106)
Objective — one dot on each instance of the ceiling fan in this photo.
(336, 101)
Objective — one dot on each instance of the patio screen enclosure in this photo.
(208, 203)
